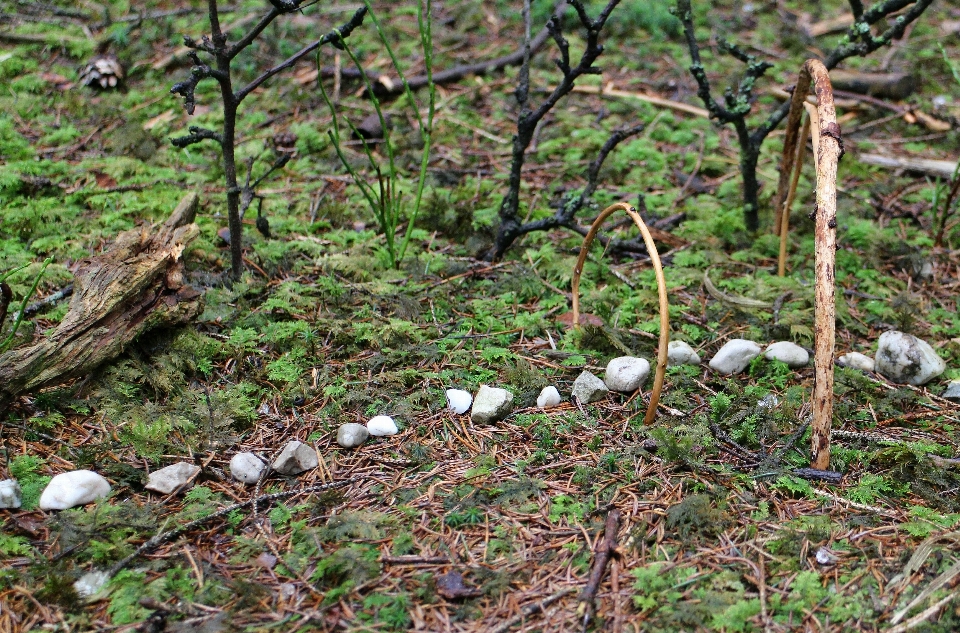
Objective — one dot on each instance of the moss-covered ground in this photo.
(717, 533)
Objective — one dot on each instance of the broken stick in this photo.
(604, 552)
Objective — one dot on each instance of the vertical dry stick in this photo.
(785, 212)
(827, 151)
(661, 291)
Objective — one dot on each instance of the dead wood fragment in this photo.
(942, 168)
(132, 288)
(883, 85)
(830, 476)
(606, 550)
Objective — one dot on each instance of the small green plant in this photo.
(386, 198)
(6, 296)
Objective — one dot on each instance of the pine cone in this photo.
(104, 72)
(284, 143)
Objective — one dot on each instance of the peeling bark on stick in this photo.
(134, 287)
(828, 148)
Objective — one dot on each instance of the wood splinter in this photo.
(606, 550)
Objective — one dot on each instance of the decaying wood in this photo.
(885, 85)
(943, 168)
(828, 147)
(605, 550)
(134, 287)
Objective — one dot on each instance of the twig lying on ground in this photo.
(531, 609)
(606, 550)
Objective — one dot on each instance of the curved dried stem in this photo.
(661, 290)
(828, 148)
(783, 214)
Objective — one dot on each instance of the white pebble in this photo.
(491, 404)
(626, 373)
(10, 494)
(351, 435)
(549, 397)
(90, 583)
(76, 488)
(246, 467)
(904, 358)
(734, 356)
(856, 360)
(459, 401)
(295, 458)
(786, 352)
(680, 353)
(382, 425)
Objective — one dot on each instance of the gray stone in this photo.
(952, 392)
(381, 425)
(295, 458)
(168, 479)
(786, 352)
(626, 373)
(458, 400)
(856, 360)
(75, 488)
(246, 467)
(549, 397)
(680, 353)
(351, 435)
(903, 358)
(91, 583)
(10, 494)
(734, 356)
(491, 404)
(588, 388)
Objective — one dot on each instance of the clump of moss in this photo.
(696, 516)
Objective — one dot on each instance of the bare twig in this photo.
(605, 551)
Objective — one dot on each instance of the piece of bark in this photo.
(136, 286)
(884, 85)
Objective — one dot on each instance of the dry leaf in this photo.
(163, 117)
(566, 319)
(450, 586)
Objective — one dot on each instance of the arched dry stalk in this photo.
(661, 289)
(827, 147)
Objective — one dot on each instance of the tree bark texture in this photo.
(132, 288)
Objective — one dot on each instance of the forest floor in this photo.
(451, 525)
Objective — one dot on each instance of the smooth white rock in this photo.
(626, 373)
(588, 388)
(458, 400)
(952, 392)
(786, 352)
(168, 479)
(90, 583)
(246, 467)
(351, 435)
(825, 556)
(75, 488)
(856, 360)
(10, 494)
(734, 356)
(903, 358)
(381, 425)
(549, 397)
(491, 404)
(295, 458)
(680, 353)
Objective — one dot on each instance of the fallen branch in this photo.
(943, 168)
(134, 287)
(606, 550)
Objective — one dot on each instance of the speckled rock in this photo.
(588, 388)
(491, 404)
(903, 358)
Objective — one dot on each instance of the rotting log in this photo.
(135, 286)
(828, 147)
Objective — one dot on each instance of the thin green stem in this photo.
(23, 304)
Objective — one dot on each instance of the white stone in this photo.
(458, 400)
(381, 425)
(626, 373)
(295, 458)
(588, 388)
(825, 556)
(549, 397)
(734, 356)
(904, 358)
(168, 479)
(246, 467)
(856, 360)
(10, 494)
(786, 352)
(75, 488)
(351, 435)
(91, 583)
(491, 404)
(952, 392)
(680, 353)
